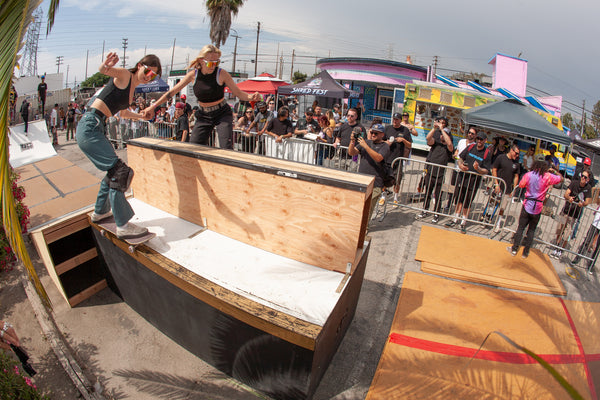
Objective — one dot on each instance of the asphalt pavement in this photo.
(104, 347)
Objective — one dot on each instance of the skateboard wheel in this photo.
(131, 249)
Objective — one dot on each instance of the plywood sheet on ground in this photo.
(486, 261)
(56, 187)
(439, 325)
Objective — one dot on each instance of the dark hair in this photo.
(376, 120)
(540, 167)
(324, 120)
(149, 60)
(283, 110)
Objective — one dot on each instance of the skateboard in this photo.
(108, 224)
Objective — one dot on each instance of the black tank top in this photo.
(115, 99)
(206, 88)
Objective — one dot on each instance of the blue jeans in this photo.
(92, 141)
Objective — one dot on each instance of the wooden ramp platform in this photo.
(439, 325)
(56, 187)
(486, 261)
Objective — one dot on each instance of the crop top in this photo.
(206, 87)
(115, 99)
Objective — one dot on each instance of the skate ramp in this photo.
(439, 325)
(25, 148)
(486, 261)
(56, 187)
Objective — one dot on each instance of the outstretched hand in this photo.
(147, 113)
(256, 97)
(111, 60)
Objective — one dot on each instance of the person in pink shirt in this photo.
(537, 181)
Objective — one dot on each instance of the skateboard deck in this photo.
(108, 224)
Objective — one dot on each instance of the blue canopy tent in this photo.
(157, 85)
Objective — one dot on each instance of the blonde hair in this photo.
(209, 48)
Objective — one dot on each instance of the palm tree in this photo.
(220, 12)
(15, 16)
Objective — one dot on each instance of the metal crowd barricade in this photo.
(436, 189)
(578, 235)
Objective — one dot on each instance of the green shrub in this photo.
(13, 384)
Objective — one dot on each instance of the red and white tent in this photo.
(263, 84)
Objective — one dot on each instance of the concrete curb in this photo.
(88, 390)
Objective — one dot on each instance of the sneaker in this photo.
(129, 231)
(99, 217)
(463, 228)
(552, 254)
(436, 219)
(420, 215)
(396, 203)
(452, 224)
(525, 254)
(558, 254)
(511, 251)
(381, 200)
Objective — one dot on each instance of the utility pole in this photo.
(173, 54)
(435, 63)
(583, 119)
(277, 60)
(59, 60)
(256, 56)
(235, 48)
(86, 62)
(124, 48)
(280, 67)
(103, 44)
(292, 69)
(67, 80)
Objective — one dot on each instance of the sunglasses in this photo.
(585, 176)
(482, 139)
(149, 73)
(210, 64)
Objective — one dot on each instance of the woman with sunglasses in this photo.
(114, 98)
(209, 83)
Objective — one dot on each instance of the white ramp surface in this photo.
(26, 148)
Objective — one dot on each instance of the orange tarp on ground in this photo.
(439, 325)
(480, 260)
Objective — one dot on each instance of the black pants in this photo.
(587, 242)
(222, 119)
(25, 121)
(434, 181)
(531, 221)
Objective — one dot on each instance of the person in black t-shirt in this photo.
(42, 89)
(440, 153)
(476, 159)
(308, 124)
(506, 166)
(182, 127)
(281, 127)
(373, 153)
(400, 139)
(577, 196)
(25, 113)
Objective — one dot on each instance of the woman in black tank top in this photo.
(115, 97)
(209, 85)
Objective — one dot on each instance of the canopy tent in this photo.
(263, 84)
(157, 85)
(321, 85)
(512, 116)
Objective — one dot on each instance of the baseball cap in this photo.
(180, 105)
(481, 135)
(309, 110)
(261, 104)
(442, 119)
(377, 128)
(397, 116)
(336, 106)
(183, 97)
(587, 161)
(540, 157)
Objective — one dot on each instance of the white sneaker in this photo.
(130, 230)
(99, 217)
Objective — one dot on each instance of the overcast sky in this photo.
(556, 39)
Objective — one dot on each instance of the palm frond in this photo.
(220, 12)
(15, 16)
